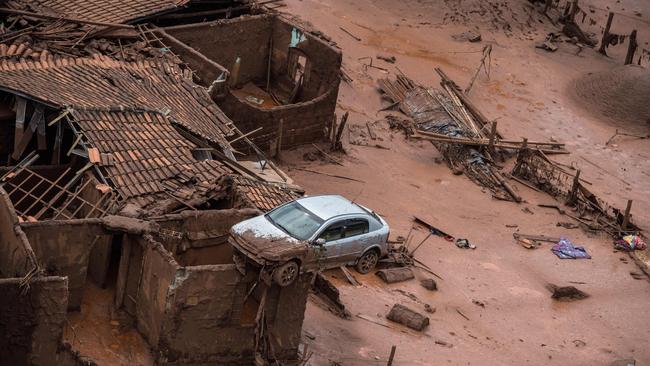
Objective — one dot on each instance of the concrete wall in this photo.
(31, 323)
(62, 248)
(16, 255)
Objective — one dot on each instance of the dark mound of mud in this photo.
(620, 94)
(568, 293)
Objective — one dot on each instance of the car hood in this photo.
(259, 238)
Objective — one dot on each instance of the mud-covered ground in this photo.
(568, 96)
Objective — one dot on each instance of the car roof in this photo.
(328, 206)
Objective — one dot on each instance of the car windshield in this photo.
(295, 220)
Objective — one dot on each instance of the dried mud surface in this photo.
(492, 306)
(621, 94)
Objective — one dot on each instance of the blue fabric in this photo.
(566, 250)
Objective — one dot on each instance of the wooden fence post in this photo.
(631, 48)
(605, 41)
(392, 355)
(626, 218)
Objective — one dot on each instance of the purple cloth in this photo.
(566, 250)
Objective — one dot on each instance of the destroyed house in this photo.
(120, 181)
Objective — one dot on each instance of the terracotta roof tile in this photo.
(104, 83)
(110, 11)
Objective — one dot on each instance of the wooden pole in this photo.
(268, 66)
(279, 143)
(605, 41)
(392, 355)
(631, 48)
(493, 136)
(574, 188)
(330, 136)
(574, 11)
(626, 218)
(548, 5)
(336, 145)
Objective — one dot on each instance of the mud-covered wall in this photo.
(206, 69)
(31, 323)
(101, 250)
(302, 123)
(203, 323)
(249, 38)
(323, 60)
(286, 313)
(211, 319)
(16, 255)
(199, 238)
(223, 41)
(158, 274)
(62, 248)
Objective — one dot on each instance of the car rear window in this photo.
(356, 227)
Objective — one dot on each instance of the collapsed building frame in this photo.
(121, 171)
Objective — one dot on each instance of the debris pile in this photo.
(536, 168)
(454, 128)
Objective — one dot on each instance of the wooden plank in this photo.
(40, 129)
(349, 276)
(21, 106)
(28, 134)
(56, 150)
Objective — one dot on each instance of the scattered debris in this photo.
(627, 362)
(327, 174)
(393, 275)
(549, 43)
(389, 59)
(412, 319)
(567, 293)
(630, 243)
(468, 36)
(535, 167)
(461, 314)
(478, 303)
(430, 284)
(464, 244)
(429, 309)
(567, 225)
(350, 34)
(443, 343)
(564, 249)
(350, 277)
(619, 133)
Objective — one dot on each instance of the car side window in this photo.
(333, 232)
(356, 227)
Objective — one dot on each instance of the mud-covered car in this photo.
(310, 234)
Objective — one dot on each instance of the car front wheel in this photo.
(286, 274)
(367, 262)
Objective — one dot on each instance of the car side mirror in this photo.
(319, 242)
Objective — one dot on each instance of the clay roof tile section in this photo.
(108, 11)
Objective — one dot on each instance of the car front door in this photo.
(333, 236)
